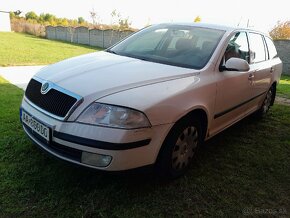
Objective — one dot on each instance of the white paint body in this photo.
(162, 92)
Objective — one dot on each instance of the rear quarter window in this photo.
(271, 48)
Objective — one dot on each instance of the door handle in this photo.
(271, 69)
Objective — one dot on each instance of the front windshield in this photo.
(178, 45)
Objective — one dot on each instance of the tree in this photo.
(12, 15)
(95, 17)
(281, 30)
(62, 21)
(48, 18)
(124, 24)
(15, 14)
(81, 20)
(114, 18)
(31, 15)
(74, 23)
(197, 19)
(118, 22)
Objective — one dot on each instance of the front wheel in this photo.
(179, 148)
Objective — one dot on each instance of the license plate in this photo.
(35, 125)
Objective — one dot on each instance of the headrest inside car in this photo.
(183, 44)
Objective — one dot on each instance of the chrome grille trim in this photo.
(78, 98)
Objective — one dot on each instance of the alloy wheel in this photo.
(267, 102)
(185, 148)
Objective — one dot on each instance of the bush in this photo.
(24, 26)
(281, 31)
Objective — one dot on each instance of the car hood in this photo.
(100, 74)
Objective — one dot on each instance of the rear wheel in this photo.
(179, 148)
(267, 103)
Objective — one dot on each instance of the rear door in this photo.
(260, 66)
(273, 59)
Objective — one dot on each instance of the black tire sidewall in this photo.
(261, 113)
(164, 163)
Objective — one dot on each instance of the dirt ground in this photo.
(281, 100)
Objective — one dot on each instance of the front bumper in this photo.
(128, 148)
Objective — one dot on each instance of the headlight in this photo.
(113, 116)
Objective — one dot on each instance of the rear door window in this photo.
(257, 48)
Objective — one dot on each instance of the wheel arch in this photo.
(199, 113)
(202, 115)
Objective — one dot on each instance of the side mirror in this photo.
(237, 64)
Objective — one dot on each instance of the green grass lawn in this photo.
(283, 90)
(22, 49)
(244, 170)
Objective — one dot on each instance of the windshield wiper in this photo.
(111, 51)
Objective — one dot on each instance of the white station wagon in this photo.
(151, 99)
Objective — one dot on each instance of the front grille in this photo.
(54, 101)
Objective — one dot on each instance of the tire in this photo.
(179, 148)
(267, 103)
